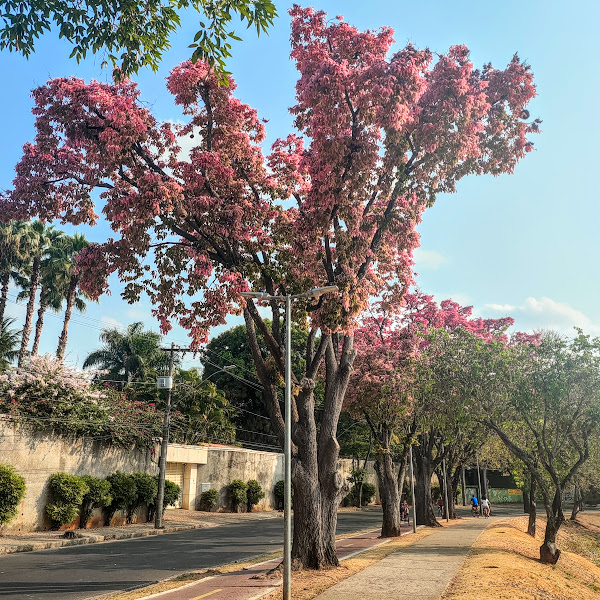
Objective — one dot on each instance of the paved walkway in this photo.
(254, 582)
(175, 520)
(420, 572)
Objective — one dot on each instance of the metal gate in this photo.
(175, 474)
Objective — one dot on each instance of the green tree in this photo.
(66, 256)
(37, 239)
(12, 254)
(205, 410)
(134, 34)
(543, 402)
(133, 355)
(9, 343)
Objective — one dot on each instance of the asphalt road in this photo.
(78, 572)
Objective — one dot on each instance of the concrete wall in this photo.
(36, 456)
(226, 464)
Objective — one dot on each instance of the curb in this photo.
(91, 539)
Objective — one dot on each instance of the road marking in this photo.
(207, 594)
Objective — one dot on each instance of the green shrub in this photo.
(67, 489)
(369, 491)
(254, 494)
(67, 493)
(146, 490)
(123, 490)
(97, 496)
(238, 494)
(209, 499)
(61, 513)
(172, 494)
(12, 491)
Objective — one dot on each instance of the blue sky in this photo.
(524, 244)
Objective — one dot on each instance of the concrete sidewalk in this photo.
(419, 572)
(175, 520)
(256, 581)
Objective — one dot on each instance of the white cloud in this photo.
(545, 313)
(112, 322)
(503, 308)
(428, 259)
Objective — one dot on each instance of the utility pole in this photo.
(162, 461)
(464, 486)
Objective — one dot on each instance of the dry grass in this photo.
(504, 563)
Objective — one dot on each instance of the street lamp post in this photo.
(287, 450)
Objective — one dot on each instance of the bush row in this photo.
(242, 495)
(73, 495)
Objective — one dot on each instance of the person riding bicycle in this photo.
(440, 505)
(485, 507)
(404, 511)
(474, 506)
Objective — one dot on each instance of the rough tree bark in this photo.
(532, 508)
(35, 275)
(549, 553)
(39, 323)
(318, 485)
(62, 340)
(4, 281)
(423, 463)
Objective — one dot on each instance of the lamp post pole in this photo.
(445, 484)
(287, 447)
(162, 461)
(287, 451)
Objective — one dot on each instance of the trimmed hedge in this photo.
(67, 492)
(238, 493)
(209, 499)
(123, 490)
(97, 496)
(12, 491)
(254, 494)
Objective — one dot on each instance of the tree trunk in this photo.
(35, 273)
(62, 340)
(485, 483)
(454, 482)
(4, 281)
(532, 508)
(526, 497)
(390, 495)
(577, 502)
(549, 553)
(39, 323)
(423, 471)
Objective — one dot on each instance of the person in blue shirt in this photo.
(474, 506)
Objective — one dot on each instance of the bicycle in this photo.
(475, 511)
(486, 511)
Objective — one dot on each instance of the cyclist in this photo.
(474, 506)
(404, 511)
(485, 507)
(440, 505)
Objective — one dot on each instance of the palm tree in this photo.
(72, 246)
(9, 343)
(11, 257)
(37, 239)
(129, 356)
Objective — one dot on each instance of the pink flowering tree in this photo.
(396, 386)
(337, 202)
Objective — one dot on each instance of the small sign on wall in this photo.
(204, 487)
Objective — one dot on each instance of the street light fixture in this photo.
(287, 451)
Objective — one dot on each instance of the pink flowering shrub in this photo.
(47, 395)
